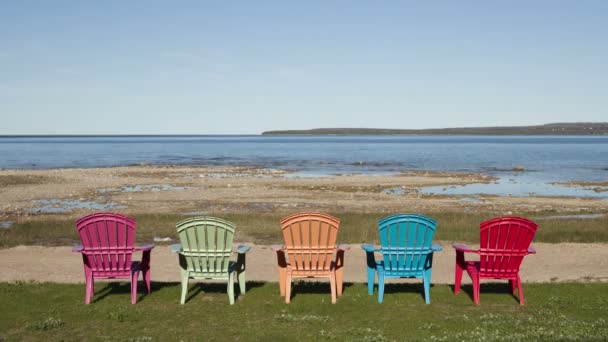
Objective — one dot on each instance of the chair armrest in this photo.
(145, 248)
(436, 247)
(464, 248)
(176, 247)
(343, 247)
(242, 249)
(531, 250)
(277, 248)
(368, 248)
(77, 249)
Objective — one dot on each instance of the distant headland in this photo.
(575, 128)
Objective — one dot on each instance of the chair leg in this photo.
(521, 291)
(380, 287)
(282, 281)
(427, 286)
(287, 285)
(332, 283)
(185, 277)
(89, 287)
(242, 281)
(339, 281)
(134, 277)
(145, 269)
(339, 272)
(476, 287)
(282, 267)
(371, 275)
(146, 276)
(230, 288)
(458, 272)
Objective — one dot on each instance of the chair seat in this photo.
(135, 267)
(312, 273)
(472, 268)
(398, 273)
(215, 275)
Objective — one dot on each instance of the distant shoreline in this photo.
(559, 129)
(581, 128)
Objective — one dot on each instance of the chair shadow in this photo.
(500, 288)
(314, 287)
(195, 288)
(124, 287)
(403, 287)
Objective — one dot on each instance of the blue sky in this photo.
(145, 67)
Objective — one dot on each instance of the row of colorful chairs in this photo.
(310, 250)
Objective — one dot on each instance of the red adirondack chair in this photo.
(503, 243)
(107, 248)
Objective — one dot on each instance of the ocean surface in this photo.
(545, 159)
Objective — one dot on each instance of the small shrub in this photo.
(117, 316)
(47, 324)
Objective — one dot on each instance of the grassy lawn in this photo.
(264, 228)
(54, 312)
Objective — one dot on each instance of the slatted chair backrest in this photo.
(310, 240)
(206, 244)
(503, 243)
(108, 240)
(405, 241)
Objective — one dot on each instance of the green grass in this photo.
(264, 228)
(55, 312)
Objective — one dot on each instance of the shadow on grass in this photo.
(314, 287)
(403, 288)
(122, 287)
(500, 288)
(195, 288)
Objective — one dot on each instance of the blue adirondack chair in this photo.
(406, 251)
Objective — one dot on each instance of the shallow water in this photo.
(517, 186)
(144, 188)
(576, 216)
(7, 224)
(53, 206)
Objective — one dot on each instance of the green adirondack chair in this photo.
(205, 251)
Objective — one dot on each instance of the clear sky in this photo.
(146, 67)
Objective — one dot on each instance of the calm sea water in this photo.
(546, 159)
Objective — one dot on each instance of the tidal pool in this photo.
(52, 206)
(517, 186)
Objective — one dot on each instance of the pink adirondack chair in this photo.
(504, 241)
(107, 247)
(310, 245)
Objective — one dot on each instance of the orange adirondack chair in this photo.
(503, 243)
(310, 245)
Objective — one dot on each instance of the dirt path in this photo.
(554, 262)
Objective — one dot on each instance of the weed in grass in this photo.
(289, 318)
(117, 316)
(139, 339)
(369, 334)
(538, 325)
(47, 324)
(328, 335)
